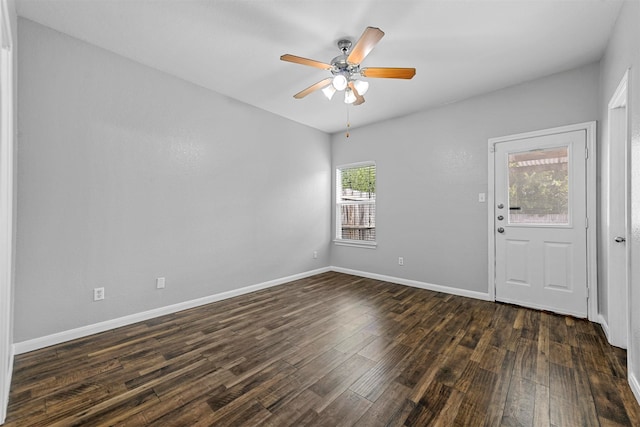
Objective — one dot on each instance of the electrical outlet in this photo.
(315, 254)
(160, 283)
(400, 261)
(482, 197)
(98, 294)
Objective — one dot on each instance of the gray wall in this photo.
(623, 52)
(431, 167)
(126, 174)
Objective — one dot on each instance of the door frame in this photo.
(592, 267)
(617, 324)
(6, 205)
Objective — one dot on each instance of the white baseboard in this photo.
(633, 382)
(60, 337)
(605, 327)
(416, 284)
(611, 338)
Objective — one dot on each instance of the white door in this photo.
(540, 222)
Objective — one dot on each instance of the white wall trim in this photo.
(634, 384)
(605, 326)
(491, 203)
(7, 117)
(618, 132)
(7, 385)
(60, 337)
(415, 284)
(619, 97)
(592, 259)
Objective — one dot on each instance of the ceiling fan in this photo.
(346, 68)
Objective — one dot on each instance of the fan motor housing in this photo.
(340, 64)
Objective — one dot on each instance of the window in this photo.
(356, 204)
(539, 187)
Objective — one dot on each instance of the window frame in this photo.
(338, 240)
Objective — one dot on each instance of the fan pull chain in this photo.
(348, 123)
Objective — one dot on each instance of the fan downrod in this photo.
(344, 45)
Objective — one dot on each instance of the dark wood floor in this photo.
(333, 350)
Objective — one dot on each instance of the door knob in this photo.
(500, 230)
(500, 206)
(500, 217)
(620, 239)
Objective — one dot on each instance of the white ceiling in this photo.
(459, 48)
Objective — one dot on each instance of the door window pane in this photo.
(539, 187)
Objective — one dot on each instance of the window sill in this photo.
(355, 243)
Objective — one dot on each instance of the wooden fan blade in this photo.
(388, 73)
(368, 40)
(359, 98)
(313, 88)
(305, 61)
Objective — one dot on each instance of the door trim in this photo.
(592, 266)
(617, 324)
(7, 116)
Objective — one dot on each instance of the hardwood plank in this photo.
(390, 408)
(469, 414)
(519, 407)
(430, 405)
(609, 404)
(565, 413)
(355, 342)
(561, 354)
(289, 414)
(541, 414)
(525, 363)
(586, 404)
(492, 359)
(498, 396)
(454, 365)
(378, 348)
(482, 345)
(337, 381)
(345, 410)
(178, 397)
(421, 361)
(428, 374)
(467, 378)
(542, 356)
(251, 386)
(370, 384)
(449, 412)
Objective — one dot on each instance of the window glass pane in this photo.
(539, 187)
(358, 221)
(358, 183)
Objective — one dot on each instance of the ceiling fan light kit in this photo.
(339, 82)
(346, 69)
(329, 91)
(349, 96)
(361, 86)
